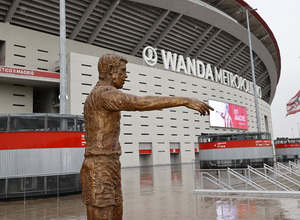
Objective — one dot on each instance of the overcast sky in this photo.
(283, 18)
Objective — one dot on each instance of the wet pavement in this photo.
(160, 192)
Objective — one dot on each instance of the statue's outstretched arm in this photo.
(115, 100)
(148, 103)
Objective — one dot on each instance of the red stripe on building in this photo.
(174, 150)
(235, 144)
(37, 140)
(145, 151)
(28, 72)
(290, 145)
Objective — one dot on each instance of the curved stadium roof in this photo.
(209, 30)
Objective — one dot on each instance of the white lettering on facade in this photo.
(181, 65)
(218, 75)
(197, 68)
(191, 66)
(169, 60)
(17, 71)
(200, 69)
(209, 72)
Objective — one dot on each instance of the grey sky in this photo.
(283, 18)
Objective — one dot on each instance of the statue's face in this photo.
(119, 75)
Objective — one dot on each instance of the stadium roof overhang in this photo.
(209, 30)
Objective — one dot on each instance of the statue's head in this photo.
(107, 63)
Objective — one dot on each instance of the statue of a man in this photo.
(101, 170)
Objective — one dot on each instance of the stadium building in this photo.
(190, 48)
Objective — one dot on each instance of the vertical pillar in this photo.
(253, 75)
(63, 60)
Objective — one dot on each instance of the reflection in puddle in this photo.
(146, 176)
(235, 209)
(228, 208)
(176, 175)
(146, 181)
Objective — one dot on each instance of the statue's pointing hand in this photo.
(199, 106)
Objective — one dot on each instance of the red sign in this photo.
(26, 72)
(235, 144)
(228, 115)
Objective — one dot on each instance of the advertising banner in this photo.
(228, 115)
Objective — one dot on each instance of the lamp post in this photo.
(298, 129)
(63, 60)
(252, 66)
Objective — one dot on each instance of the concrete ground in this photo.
(160, 192)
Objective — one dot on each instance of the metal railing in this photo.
(41, 122)
(212, 179)
(45, 184)
(259, 180)
(287, 168)
(294, 167)
(268, 179)
(278, 173)
(244, 179)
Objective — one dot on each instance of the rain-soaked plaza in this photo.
(159, 192)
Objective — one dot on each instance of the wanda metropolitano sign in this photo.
(197, 68)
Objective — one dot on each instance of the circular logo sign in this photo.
(150, 55)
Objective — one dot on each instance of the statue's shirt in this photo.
(102, 119)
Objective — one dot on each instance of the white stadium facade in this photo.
(202, 51)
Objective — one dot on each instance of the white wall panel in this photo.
(32, 162)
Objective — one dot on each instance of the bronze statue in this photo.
(101, 170)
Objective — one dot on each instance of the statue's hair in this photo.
(106, 60)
